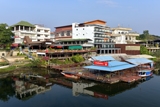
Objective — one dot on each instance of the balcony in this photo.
(42, 32)
(101, 36)
(132, 34)
(27, 31)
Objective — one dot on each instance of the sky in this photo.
(139, 15)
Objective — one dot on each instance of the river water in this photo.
(58, 91)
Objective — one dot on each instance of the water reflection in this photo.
(28, 86)
(25, 87)
(80, 88)
(6, 89)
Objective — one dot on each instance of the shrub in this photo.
(4, 63)
(77, 58)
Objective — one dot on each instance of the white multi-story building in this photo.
(95, 30)
(123, 35)
(42, 33)
(35, 32)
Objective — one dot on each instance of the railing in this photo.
(63, 51)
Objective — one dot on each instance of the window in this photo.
(46, 35)
(83, 28)
(68, 33)
(76, 29)
(83, 34)
(38, 30)
(38, 35)
(76, 34)
(46, 31)
(62, 33)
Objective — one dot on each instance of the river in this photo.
(58, 91)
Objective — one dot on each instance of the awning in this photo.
(14, 44)
(75, 47)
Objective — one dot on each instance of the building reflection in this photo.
(25, 88)
(80, 88)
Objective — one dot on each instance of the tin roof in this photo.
(139, 61)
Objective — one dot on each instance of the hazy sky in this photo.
(137, 14)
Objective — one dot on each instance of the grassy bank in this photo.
(7, 70)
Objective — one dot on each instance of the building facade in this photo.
(97, 31)
(35, 32)
(123, 35)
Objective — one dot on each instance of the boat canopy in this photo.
(112, 66)
(139, 61)
(103, 58)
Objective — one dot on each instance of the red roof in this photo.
(14, 44)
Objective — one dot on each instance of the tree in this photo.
(5, 34)
(143, 50)
(146, 36)
(157, 54)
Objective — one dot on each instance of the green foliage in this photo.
(154, 59)
(146, 36)
(157, 53)
(77, 58)
(56, 61)
(4, 63)
(10, 68)
(157, 65)
(93, 48)
(68, 61)
(5, 34)
(20, 54)
(36, 62)
(7, 91)
(143, 50)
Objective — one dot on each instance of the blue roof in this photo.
(116, 63)
(139, 61)
(103, 58)
(110, 69)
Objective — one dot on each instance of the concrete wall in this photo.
(133, 50)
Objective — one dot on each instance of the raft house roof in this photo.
(103, 58)
(139, 61)
(113, 65)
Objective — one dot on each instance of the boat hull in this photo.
(145, 73)
(70, 75)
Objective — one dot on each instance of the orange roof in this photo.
(96, 22)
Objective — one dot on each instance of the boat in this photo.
(68, 75)
(145, 73)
